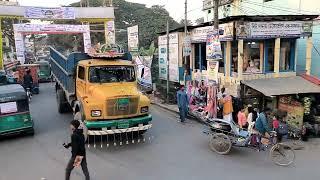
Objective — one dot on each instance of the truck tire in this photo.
(63, 106)
(80, 117)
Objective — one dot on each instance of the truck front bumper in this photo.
(132, 122)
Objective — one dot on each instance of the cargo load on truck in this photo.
(100, 87)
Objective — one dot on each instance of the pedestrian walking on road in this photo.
(183, 102)
(78, 150)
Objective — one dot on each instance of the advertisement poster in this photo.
(110, 33)
(213, 69)
(144, 70)
(249, 30)
(49, 13)
(213, 46)
(225, 33)
(173, 55)
(187, 46)
(133, 38)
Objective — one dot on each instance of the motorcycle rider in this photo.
(28, 80)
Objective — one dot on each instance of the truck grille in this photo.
(129, 106)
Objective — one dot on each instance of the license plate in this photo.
(123, 104)
(123, 124)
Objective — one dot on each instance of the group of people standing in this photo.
(247, 117)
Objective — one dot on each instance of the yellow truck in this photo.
(102, 92)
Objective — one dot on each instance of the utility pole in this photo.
(185, 35)
(216, 14)
(168, 51)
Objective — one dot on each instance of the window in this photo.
(267, 0)
(287, 55)
(269, 54)
(234, 57)
(251, 61)
(222, 61)
(111, 74)
(209, 11)
(200, 56)
(81, 72)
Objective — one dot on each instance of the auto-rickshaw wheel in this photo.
(220, 143)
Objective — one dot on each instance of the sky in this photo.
(175, 7)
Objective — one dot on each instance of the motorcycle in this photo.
(29, 94)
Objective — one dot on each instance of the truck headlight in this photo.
(95, 113)
(144, 109)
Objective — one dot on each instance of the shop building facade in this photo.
(253, 47)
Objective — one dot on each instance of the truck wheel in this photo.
(79, 116)
(61, 101)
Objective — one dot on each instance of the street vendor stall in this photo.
(298, 105)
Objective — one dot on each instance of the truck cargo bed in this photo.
(63, 68)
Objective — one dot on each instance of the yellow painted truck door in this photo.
(80, 81)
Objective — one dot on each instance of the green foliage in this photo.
(150, 20)
(7, 28)
(148, 52)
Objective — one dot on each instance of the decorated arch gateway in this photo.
(24, 29)
(85, 15)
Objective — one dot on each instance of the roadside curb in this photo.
(191, 117)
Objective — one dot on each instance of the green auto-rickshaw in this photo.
(45, 71)
(14, 111)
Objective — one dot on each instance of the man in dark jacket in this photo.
(28, 80)
(78, 150)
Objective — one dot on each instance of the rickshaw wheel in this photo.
(79, 117)
(282, 154)
(220, 143)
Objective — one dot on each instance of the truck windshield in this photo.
(111, 74)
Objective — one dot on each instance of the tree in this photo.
(189, 23)
(7, 28)
(199, 21)
(151, 21)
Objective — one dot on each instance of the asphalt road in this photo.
(176, 152)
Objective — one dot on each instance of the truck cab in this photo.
(107, 90)
(101, 91)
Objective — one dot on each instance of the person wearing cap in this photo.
(183, 102)
(78, 151)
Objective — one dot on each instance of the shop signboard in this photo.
(261, 30)
(49, 13)
(200, 34)
(173, 55)
(187, 46)
(213, 46)
(213, 69)
(133, 38)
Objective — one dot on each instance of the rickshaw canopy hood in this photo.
(12, 92)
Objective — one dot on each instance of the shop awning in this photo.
(283, 86)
